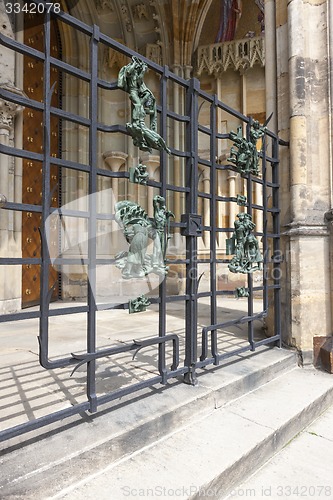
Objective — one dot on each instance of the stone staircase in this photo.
(177, 441)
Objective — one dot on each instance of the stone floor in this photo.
(27, 391)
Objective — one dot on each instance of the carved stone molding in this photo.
(104, 5)
(126, 16)
(303, 229)
(8, 109)
(140, 11)
(238, 54)
(113, 58)
(153, 52)
(115, 159)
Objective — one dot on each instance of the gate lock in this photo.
(193, 225)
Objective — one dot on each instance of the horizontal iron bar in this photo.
(204, 130)
(229, 354)
(71, 117)
(202, 161)
(177, 261)
(177, 116)
(69, 69)
(201, 295)
(269, 340)
(21, 48)
(20, 99)
(72, 165)
(106, 85)
(21, 153)
(244, 319)
(4, 318)
(222, 136)
(40, 422)
(135, 346)
(180, 154)
(21, 207)
(176, 298)
(208, 196)
(74, 22)
(179, 189)
(13, 261)
(112, 129)
(110, 173)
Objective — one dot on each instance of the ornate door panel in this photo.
(32, 170)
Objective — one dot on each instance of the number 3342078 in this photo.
(32, 8)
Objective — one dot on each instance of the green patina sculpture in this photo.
(162, 220)
(138, 228)
(130, 79)
(138, 305)
(241, 200)
(245, 247)
(242, 292)
(243, 153)
(139, 174)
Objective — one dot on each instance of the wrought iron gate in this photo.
(200, 348)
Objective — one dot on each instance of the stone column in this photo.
(114, 160)
(270, 63)
(307, 250)
(10, 237)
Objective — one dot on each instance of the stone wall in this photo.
(303, 119)
(10, 176)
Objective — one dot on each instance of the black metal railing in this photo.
(196, 354)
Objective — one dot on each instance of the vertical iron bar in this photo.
(265, 224)
(163, 179)
(249, 276)
(276, 241)
(46, 199)
(91, 323)
(191, 319)
(213, 211)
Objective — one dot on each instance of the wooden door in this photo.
(32, 170)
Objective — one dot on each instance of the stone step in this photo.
(43, 462)
(210, 457)
(303, 468)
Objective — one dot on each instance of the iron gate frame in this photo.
(208, 356)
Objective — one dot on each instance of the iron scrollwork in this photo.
(138, 228)
(245, 247)
(143, 103)
(244, 154)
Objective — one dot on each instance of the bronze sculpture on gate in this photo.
(244, 154)
(138, 228)
(245, 247)
(143, 103)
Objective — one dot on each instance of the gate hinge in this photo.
(193, 225)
